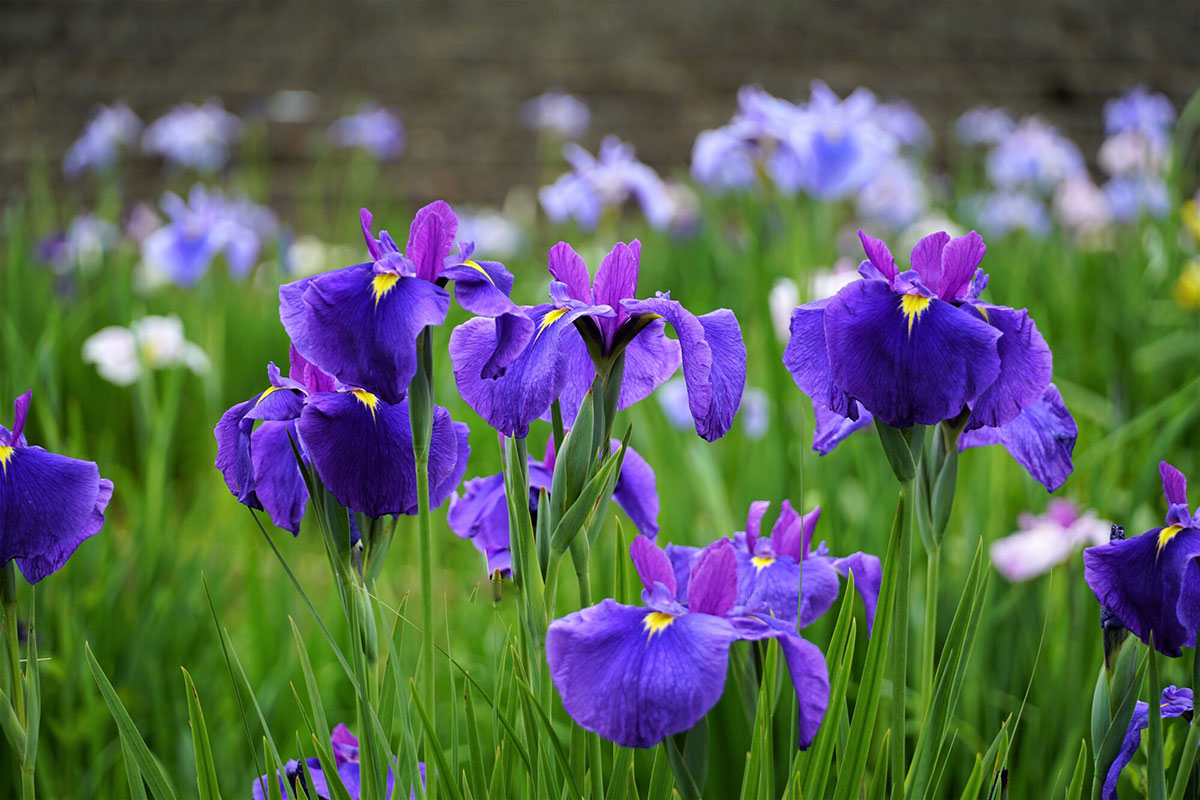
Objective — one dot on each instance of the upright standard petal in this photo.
(714, 361)
(1026, 367)
(430, 239)
(713, 582)
(1041, 439)
(636, 676)
(960, 259)
(567, 266)
(361, 327)
(1150, 583)
(652, 565)
(49, 504)
(907, 363)
(616, 280)
(880, 256)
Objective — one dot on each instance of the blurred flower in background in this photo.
(1034, 157)
(1140, 111)
(192, 136)
(895, 198)
(152, 342)
(1131, 198)
(83, 246)
(783, 297)
(109, 129)
(1001, 213)
(1044, 541)
(606, 181)
(557, 113)
(492, 231)
(1081, 207)
(308, 255)
(207, 225)
(983, 125)
(1187, 287)
(372, 128)
(901, 120)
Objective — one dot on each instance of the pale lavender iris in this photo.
(481, 512)
(558, 113)
(637, 674)
(207, 225)
(360, 323)
(1151, 583)
(1046, 540)
(49, 504)
(372, 128)
(1132, 198)
(606, 181)
(1034, 156)
(895, 197)
(110, 129)
(1004, 212)
(589, 323)
(197, 137)
(1139, 110)
(983, 125)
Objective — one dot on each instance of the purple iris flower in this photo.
(919, 347)
(360, 444)
(637, 674)
(48, 503)
(481, 513)
(901, 120)
(198, 137)
(360, 323)
(1151, 583)
(293, 783)
(207, 225)
(109, 129)
(784, 574)
(603, 181)
(1175, 702)
(1041, 438)
(599, 320)
(373, 128)
(728, 157)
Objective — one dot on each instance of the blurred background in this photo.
(654, 73)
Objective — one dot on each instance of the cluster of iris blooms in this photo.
(905, 347)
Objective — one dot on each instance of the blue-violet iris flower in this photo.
(48, 503)
(637, 674)
(918, 346)
(587, 322)
(360, 324)
(1151, 583)
(360, 445)
(1175, 702)
(293, 783)
(481, 513)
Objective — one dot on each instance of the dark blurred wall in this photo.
(654, 73)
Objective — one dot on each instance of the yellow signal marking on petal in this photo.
(1166, 535)
(913, 305)
(267, 393)
(367, 399)
(762, 562)
(475, 265)
(381, 284)
(6, 454)
(656, 622)
(551, 316)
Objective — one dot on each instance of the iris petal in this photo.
(633, 688)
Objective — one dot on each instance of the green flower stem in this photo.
(420, 406)
(8, 596)
(932, 579)
(899, 647)
(1155, 776)
(1188, 758)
